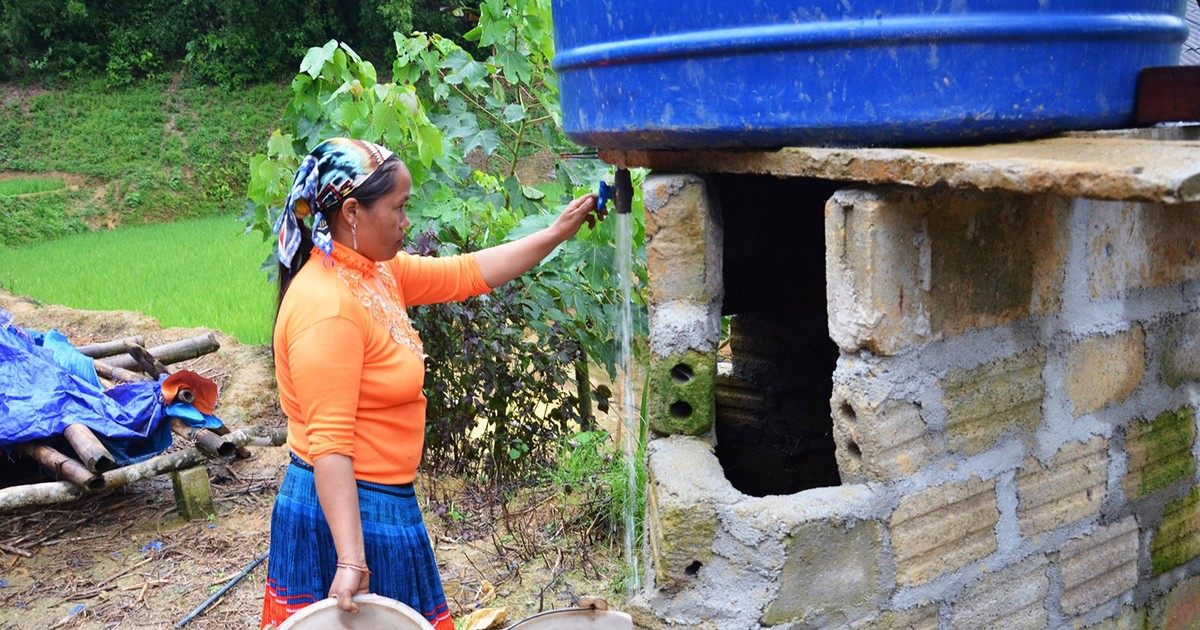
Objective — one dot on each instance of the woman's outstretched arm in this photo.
(504, 262)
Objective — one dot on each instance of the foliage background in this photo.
(210, 41)
(505, 363)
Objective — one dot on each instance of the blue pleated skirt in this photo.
(303, 558)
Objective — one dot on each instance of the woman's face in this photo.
(381, 227)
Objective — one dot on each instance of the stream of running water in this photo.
(630, 416)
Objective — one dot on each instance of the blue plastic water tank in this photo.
(764, 73)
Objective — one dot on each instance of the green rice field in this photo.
(196, 272)
(27, 185)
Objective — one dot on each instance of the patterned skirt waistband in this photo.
(399, 490)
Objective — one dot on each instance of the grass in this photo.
(29, 185)
(196, 272)
(153, 152)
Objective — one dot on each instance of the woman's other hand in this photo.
(347, 583)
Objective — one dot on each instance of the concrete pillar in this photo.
(684, 241)
(193, 493)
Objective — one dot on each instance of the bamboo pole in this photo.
(146, 361)
(174, 352)
(109, 348)
(242, 451)
(120, 375)
(89, 449)
(62, 466)
(63, 491)
(210, 444)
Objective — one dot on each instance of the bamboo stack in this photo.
(94, 468)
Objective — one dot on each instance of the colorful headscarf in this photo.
(326, 176)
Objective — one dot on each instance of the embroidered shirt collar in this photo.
(347, 257)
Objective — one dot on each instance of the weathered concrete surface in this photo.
(683, 393)
(1106, 369)
(681, 520)
(1178, 539)
(878, 441)
(1011, 599)
(721, 559)
(1160, 452)
(921, 618)
(193, 493)
(1141, 246)
(1071, 488)
(985, 401)
(1100, 566)
(1098, 166)
(905, 267)
(683, 258)
(1180, 360)
(943, 528)
(829, 567)
(1180, 608)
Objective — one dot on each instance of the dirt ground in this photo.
(126, 559)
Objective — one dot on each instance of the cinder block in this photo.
(1180, 361)
(830, 566)
(681, 393)
(193, 493)
(1070, 489)
(1105, 370)
(878, 442)
(1160, 452)
(942, 529)
(1141, 245)
(985, 401)
(1099, 566)
(905, 266)
(921, 618)
(683, 240)
(1178, 538)
(1012, 599)
(1179, 609)
(685, 479)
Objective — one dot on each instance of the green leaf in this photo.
(281, 145)
(317, 58)
(514, 113)
(532, 193)
(463, 70)
(429, 143)
(516, 67)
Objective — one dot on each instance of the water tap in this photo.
(620, 192)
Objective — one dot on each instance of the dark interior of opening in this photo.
(774, 429)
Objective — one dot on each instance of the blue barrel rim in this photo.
(906, 30)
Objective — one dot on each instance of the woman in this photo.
(350, 368)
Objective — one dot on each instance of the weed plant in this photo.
(29, 185)
(197, 272)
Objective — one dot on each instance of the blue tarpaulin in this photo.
(46, 385)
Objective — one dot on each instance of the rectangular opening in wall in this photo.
(774, 429)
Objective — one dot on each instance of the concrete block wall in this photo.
(1014, 411)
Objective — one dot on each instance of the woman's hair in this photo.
(379, 184)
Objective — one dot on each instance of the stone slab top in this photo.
(1159, 164)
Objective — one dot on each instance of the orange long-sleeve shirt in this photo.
(345, 384)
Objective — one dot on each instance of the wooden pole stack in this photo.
(95, 457)
(127, 360)
(62, 491)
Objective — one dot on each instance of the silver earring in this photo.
(354, 233)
